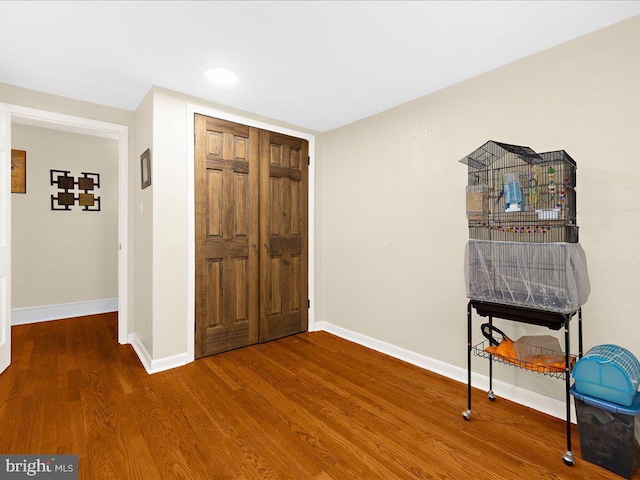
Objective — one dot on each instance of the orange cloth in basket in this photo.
(540, 363)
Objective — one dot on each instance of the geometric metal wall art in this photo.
(87, 183)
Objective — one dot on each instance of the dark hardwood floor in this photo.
(310, 406)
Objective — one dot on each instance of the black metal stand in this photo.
(552, 320)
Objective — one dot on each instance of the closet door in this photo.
(226, 229)
(283, 235)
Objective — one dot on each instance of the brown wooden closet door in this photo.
(226, 229)
(283, 235)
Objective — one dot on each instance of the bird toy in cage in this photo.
(562, 193)
(552, 185)
(560, 199)
(534, 179)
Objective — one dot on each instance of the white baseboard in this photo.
(142, 353)
(158, 365)
(541, 403)
(45, 313)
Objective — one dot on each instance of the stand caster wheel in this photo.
(491, 396)
(568, 459)
(466, 415)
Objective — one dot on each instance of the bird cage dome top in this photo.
(490, 152)
(483, 157)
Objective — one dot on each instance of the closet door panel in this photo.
(283, 235)
(251, 197)
(227, 234)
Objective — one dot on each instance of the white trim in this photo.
(86, 126)
(5, 239)
(45, 313)
(192, 109)
(158, 365)
(167, 363)
(541, 403)
(67, 123)
(142, 353)
(123, 235)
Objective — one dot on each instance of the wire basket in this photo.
(551, 371)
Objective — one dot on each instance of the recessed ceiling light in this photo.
(222, 76)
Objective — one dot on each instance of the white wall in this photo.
(392, 222)
(61, 257)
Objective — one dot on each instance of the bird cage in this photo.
(517, 195)
(523, 245)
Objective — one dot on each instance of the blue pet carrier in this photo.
(608, 372)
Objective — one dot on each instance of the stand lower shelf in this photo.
(551, 320)
(479, 350)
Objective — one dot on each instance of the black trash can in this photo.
(609, 433)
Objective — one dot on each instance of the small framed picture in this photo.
(145, 168)
(18, 171)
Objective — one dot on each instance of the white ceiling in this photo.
(317, 65)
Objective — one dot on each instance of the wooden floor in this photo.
(311, 406)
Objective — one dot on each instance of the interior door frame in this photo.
(86, 126)
(192, 110)
(5, 239)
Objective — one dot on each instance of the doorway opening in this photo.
(56, 121)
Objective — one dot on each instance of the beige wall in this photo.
(142, 211)
(392, 225)
(169, 225)
(58, 256)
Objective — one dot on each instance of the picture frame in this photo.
(18, 171)
(145, 168)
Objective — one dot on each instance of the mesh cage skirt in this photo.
(544, 276)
